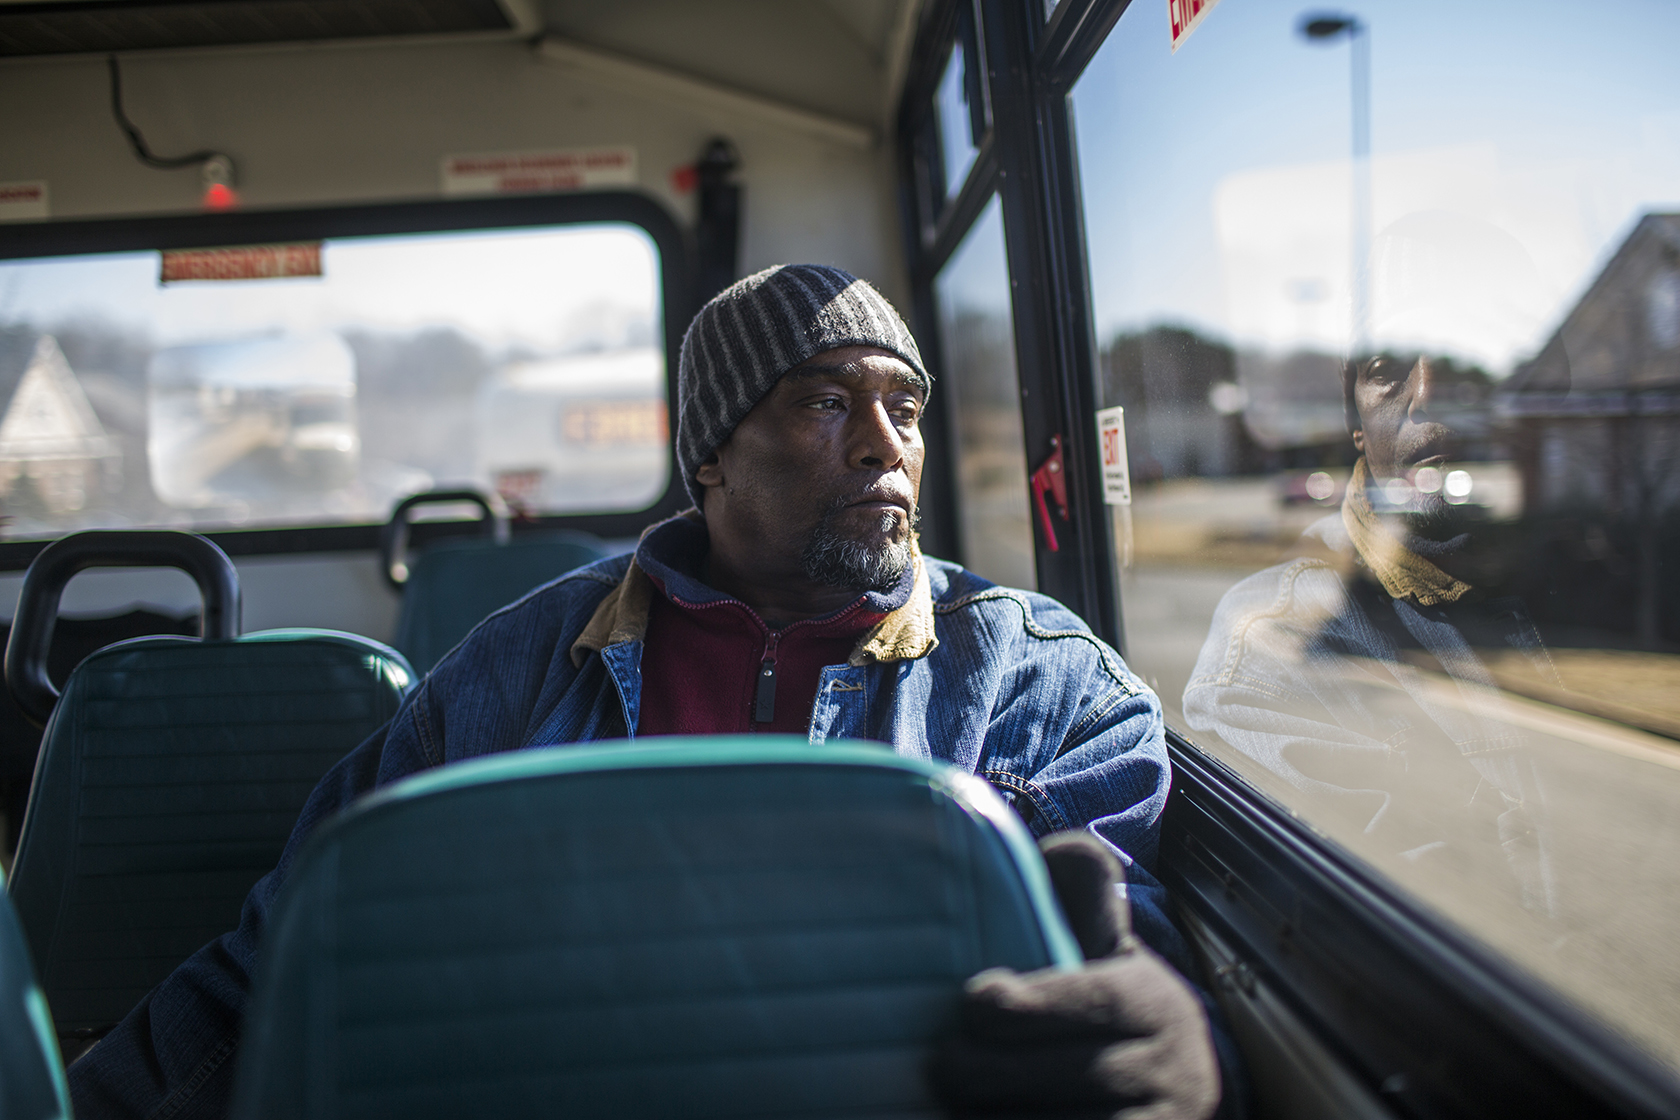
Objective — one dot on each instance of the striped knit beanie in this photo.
(752, 332)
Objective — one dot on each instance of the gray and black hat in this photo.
(757, 329)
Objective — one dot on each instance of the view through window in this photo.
(526, 361)
(1401, 377)
(977, 341)
(955, 121)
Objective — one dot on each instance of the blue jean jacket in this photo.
(1305, 671)
(1007, 684)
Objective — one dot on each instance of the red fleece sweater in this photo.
(716, 668)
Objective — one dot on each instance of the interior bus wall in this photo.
(322, 125)
(336, 123)
(329, 590)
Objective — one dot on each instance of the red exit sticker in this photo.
(1116, 467)
(1185, 16)
(242, 262)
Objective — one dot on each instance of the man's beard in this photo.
(839, 561)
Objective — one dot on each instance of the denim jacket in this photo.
(1007, 684)
(1379, 715)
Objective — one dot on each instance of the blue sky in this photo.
(977, 275)
(1215, 179)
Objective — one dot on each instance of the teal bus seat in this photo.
(698, 928)
(454, 584)
(171, 773)
(31, 1074)
(458, 582)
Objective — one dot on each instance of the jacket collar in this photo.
(905, 634)
(1402, 572)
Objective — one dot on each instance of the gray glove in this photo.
(1123, 1037)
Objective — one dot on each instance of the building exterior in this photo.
(1594, 423)
(1595, 416)
(55, 456)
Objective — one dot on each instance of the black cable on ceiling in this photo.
(142, 151)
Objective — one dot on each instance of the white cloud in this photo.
(1514, 245)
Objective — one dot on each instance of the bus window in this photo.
(526, 361)
(977, 339)
(957, 117)
(1401, 379)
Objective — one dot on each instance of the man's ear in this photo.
(710, 471)
(1359, 439)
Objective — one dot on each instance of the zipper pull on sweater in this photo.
(764, 700)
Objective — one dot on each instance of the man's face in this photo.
(1397, 431)
(820, 480)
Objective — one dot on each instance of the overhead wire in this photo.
(142, 151)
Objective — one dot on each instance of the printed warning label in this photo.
(562, 169)
(1111, 443)
(23, 202)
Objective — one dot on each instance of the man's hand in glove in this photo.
(1122, 1037)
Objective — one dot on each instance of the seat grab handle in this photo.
(44, 582)
(393, 538)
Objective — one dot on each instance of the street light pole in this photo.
(1320, 28)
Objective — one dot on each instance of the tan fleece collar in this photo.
(907, 633)
(1403, 573)
(903, 635)
(621, 617)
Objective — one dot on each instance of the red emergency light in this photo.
(220, 196)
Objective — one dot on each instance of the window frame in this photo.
(116, 235)
(1425, 1019)
(1429, 1020)
(1026, 157)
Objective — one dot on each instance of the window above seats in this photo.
(307, 371)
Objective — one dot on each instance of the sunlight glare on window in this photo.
(528, 361)
(955, 132)
(1405, 505)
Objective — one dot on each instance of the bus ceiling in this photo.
(806, 95)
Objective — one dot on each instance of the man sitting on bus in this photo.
(794, 599)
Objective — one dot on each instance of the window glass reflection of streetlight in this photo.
(1327, 27)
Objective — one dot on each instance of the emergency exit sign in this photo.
(241, 262)
(1111, 449)
(1185, 16)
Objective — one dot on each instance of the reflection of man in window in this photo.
(1352, 672)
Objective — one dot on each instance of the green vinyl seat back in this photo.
(453, 584)
(31, 1075)
(701, 927)
(171, 773)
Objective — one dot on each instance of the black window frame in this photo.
(74, 237)
(1427, 1020)
(1026, 159)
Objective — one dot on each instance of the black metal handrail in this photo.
(393, 538)
(44, 582)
